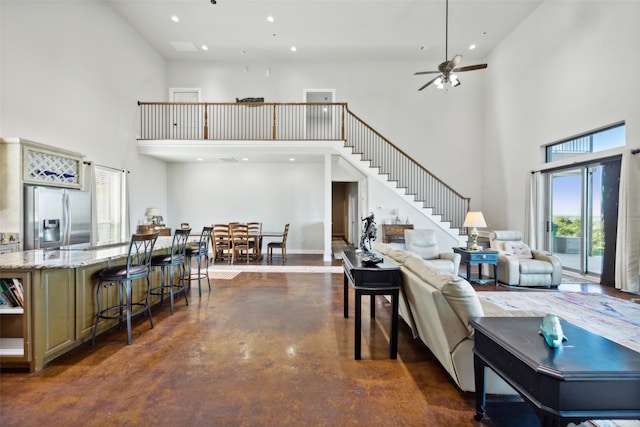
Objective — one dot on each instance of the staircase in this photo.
(363, 147)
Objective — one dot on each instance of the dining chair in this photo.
(138, 266)
(221, 242)
(255, 238)
(239, 241)
(282, 245)
(175, 258)
(199, 250)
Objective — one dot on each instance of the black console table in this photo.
(588, 378)
(377, 279)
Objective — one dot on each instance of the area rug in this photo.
(610, 317)
(223, 274)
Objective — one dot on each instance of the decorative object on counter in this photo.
(153, 215)
(474, 219)
(551, 330)
(396, 220)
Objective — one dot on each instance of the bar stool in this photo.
(138, 267)
(175, 258)
(199, 250)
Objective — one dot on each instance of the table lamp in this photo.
(474, 219)
(152, 213)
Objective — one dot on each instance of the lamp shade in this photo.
(152, 212)
(474, 219)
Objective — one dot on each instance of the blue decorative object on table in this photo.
(551, 330)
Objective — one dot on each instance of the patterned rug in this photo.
(610, 317)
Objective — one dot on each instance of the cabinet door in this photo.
(53, 312)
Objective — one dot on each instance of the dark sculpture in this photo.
(250, 100)
(368, 233)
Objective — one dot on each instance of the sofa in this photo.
(437, 306)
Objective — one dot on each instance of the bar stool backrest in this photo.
(140, 252)
(205, 238)
(179, 244)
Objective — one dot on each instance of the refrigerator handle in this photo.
(34, 195)
(66, 219)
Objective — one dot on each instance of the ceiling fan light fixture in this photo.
(456, 83)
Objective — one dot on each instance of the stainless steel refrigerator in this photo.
(56, 217)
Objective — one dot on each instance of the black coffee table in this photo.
(589, 377)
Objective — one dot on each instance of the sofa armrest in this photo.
(556, 275)
(454, 258)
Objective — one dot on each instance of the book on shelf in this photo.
(11, 293)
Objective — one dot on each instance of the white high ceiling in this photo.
(321, 30)
(324, 30)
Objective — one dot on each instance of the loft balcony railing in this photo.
(302, 121)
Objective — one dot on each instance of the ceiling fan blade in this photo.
(470, 68)
(429, 82)
(452, 64)
(425, 72)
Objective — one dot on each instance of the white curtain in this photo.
(126, 226)
(534, 214)
(90, 185)
(628, 235)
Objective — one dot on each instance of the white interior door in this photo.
(319, 120)
(186, 123)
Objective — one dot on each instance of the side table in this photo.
(478, 258)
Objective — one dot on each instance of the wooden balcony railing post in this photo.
(273, 126)
(206, 124)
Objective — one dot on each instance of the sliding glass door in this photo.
(582, 213)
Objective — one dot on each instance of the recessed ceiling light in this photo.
(472, 46)
(205, 47)
(270, 18)
(200, 159)
(293, 49)
(291, 159)
(174, 18)
(245, 159)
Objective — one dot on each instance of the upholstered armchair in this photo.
(518, 265)
(423, 243)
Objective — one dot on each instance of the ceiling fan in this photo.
(447, 69)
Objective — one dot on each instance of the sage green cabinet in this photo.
(54, 312)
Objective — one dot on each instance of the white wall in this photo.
(71, 75)
(442, 130)
(207, 193)
(569, 68)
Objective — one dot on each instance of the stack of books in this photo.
(11, 293)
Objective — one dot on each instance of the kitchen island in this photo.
(59, 300)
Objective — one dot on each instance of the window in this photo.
(592, 142)
(110, 204)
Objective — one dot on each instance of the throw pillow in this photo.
(519, 249)
(463, 300)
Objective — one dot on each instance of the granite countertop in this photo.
(53, 258)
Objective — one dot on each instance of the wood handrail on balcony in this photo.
(333, 121)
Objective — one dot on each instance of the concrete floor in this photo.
(261, 349)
